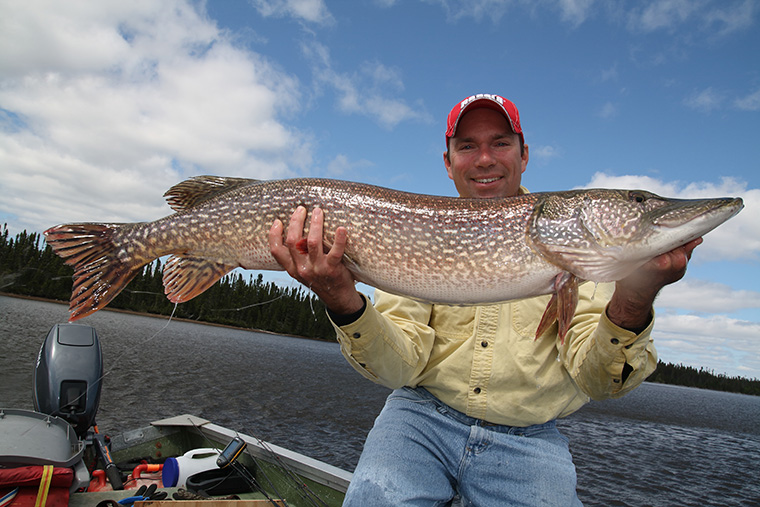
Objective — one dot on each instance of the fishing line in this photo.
(299, 485)
(139, 344)
(244, 473)
(248, 306)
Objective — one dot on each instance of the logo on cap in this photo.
(495, 102)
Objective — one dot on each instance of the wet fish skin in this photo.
(436, 249)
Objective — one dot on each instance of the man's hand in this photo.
(306, 260)
(632, 301)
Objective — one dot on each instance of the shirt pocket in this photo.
(526, 315)
(453, 322)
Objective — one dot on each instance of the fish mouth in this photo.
(683, 211)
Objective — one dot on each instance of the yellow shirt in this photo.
(485, 362)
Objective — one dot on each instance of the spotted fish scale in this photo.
(436, 249)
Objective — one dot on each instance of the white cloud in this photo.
(706, 297)
(712, 18)
(575, 12)
(112, 102)
(610, 74)
(717, 18)
(608, 110)
(543, 154)
(737, 239)
(313, 11)
(716, 342)
(342, 167)
(729, 17)
(705, 101)
(749, 103)
(709, 100)
(369, 92)
(661, 14)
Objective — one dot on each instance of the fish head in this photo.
(604, 235)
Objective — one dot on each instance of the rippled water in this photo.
(660, 445)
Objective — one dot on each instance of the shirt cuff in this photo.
(612, 338)
(344, 320)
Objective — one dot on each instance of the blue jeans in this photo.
(422, 452)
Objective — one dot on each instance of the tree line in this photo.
(678, 374)
(29, 267)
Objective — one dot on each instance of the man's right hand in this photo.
(307, 261)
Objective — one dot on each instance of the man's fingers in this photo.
(314, 238)
(335, 255)
(690, 246)
(279, 251)
(295, 228)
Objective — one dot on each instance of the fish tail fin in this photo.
(99, 273)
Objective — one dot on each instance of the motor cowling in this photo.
(68, 375)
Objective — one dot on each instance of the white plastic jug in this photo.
(177, 470)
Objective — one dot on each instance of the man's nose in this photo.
(485, 157)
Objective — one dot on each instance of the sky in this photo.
(105, 105)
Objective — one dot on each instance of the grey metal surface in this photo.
(31, 438)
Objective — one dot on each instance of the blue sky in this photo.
(105, 105)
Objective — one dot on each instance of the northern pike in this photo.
(443, 250)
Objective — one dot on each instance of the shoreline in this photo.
(167, 317)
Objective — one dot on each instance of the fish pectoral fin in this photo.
(186, 277)
(596, 264)
(199, 189)
(562, 305)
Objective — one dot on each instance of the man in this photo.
(476, 397)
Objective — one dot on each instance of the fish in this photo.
(436, 249)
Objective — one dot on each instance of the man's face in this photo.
(484, 158)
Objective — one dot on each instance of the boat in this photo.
(56, 454)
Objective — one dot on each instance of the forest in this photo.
(29, 267)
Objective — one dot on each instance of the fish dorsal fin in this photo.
(199, 189)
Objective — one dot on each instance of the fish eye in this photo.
(637, 196)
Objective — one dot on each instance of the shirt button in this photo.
(357, 335)
(484, 344)
(614, 341)
(616, 380)
(476, 390)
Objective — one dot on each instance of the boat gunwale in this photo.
(309, 468)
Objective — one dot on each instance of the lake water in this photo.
(660, 445)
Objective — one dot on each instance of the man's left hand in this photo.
(631, 304)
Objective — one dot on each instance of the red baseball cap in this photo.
(495, 102)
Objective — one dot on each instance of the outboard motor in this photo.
(68, 375)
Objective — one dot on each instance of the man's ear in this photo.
(447, 163)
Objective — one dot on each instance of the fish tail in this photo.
(99, 273)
